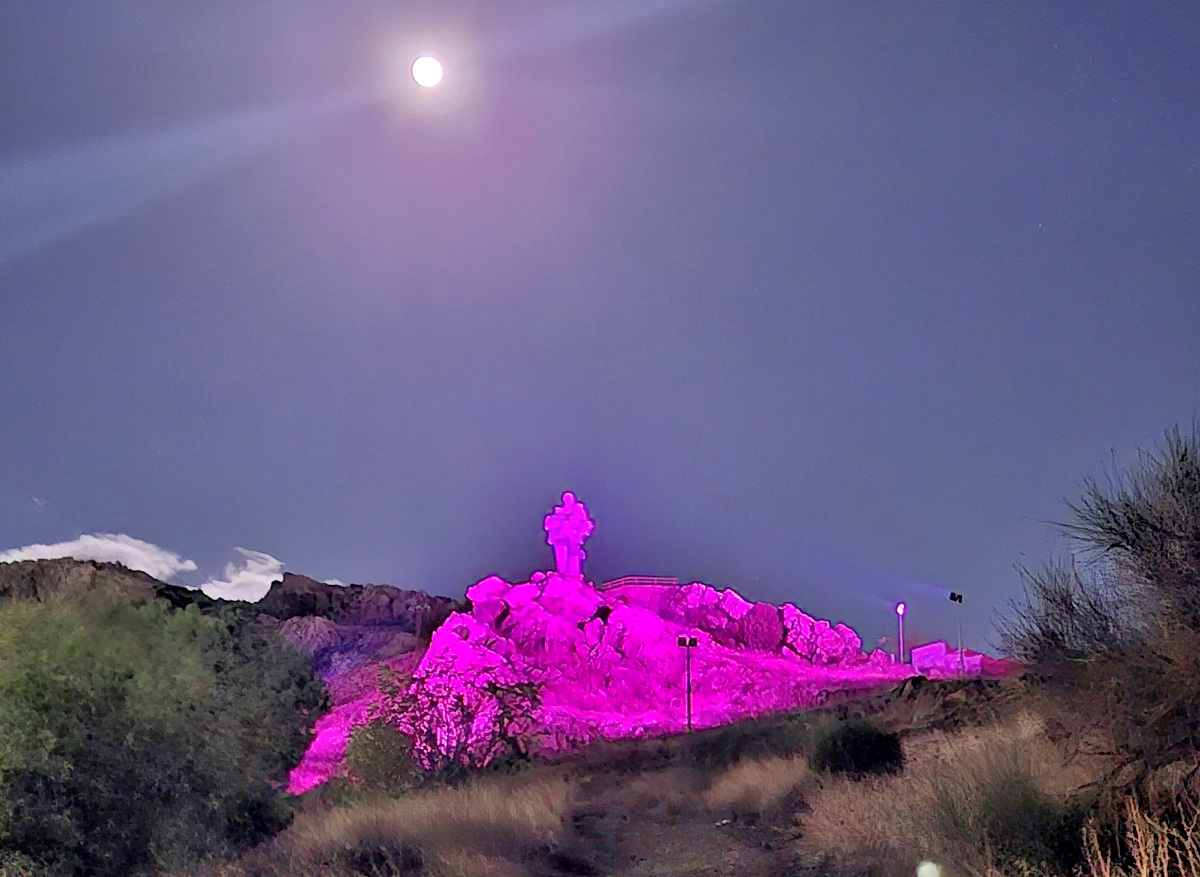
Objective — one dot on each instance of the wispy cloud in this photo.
(40, 503)
(337, 582)
(110, 548)
(248, 579)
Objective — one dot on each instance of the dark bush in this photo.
(722, 747)
(19, 865)
(857, 749)
(387, 859)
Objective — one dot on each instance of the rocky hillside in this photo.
(607, 664)
(41, 579)
(293, 597)
(297, 596)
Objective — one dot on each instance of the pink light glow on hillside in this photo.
(603, 664)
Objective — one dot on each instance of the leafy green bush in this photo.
(379, 759)
(857, 749)
(140, 738)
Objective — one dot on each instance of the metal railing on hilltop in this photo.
(638, 580)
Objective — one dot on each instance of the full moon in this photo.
(427, 71)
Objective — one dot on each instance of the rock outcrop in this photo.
(294, 596)
(65, 577)
(554, 663)
(297, 596)
(608, 664)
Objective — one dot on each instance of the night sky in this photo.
(833, 302)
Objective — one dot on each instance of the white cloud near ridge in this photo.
(247, 580)
(158, 562)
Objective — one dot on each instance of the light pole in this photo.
(900, 609)
(687, 643)
(956, 597)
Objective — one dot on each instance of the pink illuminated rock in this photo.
(606, 665)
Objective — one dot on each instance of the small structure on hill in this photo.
(640, 581)
(938, 659)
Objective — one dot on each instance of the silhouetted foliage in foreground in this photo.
(1067, 615)
(857, 749)
(1131, 619)
(134, 739)
(717, 748)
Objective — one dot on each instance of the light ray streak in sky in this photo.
(48, 198)
(44, 199)
(598, 19)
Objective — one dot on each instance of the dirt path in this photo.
(655, 824)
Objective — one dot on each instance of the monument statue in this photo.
(566, 529)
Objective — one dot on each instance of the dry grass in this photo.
(491, 828)
(668, 793)
(971, 800)
(757, 786)
(1155, 848)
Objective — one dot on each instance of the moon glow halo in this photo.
(427, 71)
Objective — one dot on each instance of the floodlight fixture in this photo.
(956, 597)
(687, 643)
(901, 608)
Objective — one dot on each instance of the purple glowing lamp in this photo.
(901, 608)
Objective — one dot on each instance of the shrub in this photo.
(1011, 817)
(379, 759)
(996, 800)
(1129, 617)
(19, 865)
(1147, 520)
(135, 738)
(723, 747)
(458, 728)
(1139, 532)
(1066, 614)
(856, 748)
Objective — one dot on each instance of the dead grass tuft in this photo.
(489, 828)
(668, 793)
(1156, 849)
(755, 787)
